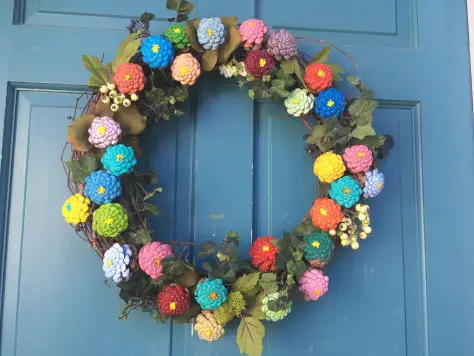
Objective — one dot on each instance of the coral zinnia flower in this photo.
(263, 253)
(129, 78)
(326, 214)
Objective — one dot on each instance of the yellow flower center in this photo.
(157, 262)
(177, 30)
(210, 32)
(101, 130)
(208, 332)
(173, 306)
(330, 103)
(101, 190)
(108, 221)
(347, 190)
(119, 157)
(127, 77)
(108, 262)
(380, 185)
(296, 101)
(361, 154)
(317, 292)
(213, 296)
(184, 70)
(251, 24)
(323, 212)
(155, 48)
(262, 62)
(265, 248)
(321, 73)
(316, 244)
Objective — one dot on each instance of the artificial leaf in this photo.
(268, 283)
(297, 268)
(230, 45)
(190, 29)
(151, 209)
(252, 94)
(150, 195)
(209, 60)
(130, 120)
(292, 66)
(362, 131)
(189, 314)
(352, 79)
(99, 75)
(246, 282)
(362, 110)
(78, 134)
(173, 4)
(317, 133)
(180, 93)
(82, 167)
(102, 109)
(137, 283)
(323, 188)
(278, 83)
(156, 95)
(278, 93)
(208, 267)
(371, 142)
(206, 249)
(188, 278)
(298, 255)
(335, 68)
(322, 56)
(230, 21)
(290, 280)
(388, 144)
(250, 336)
(305, 228)
(172, 266)
(186, 7)
(142, 236)
(132, 141)
(257, 313)
(126, 50)
(146, 17)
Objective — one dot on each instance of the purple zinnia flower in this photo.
(374, 182)
(282, 45)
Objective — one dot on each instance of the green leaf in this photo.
(142, 236)
(298, 255)
(82, 167)
(130, 120)
(172, 266)
(251, 94)
(206, 249)
(322, 56)
(362, 131)
(250, 336)
(335, 68)
(99, 75)
(78, 134)
(150, 195)
(188, 278)
(371, 142)
(186, 7)
(290, 280)
(305, 228)
(316, 134)
(278, 83)
(126, 50)
(297, 268)
(230, 45)
(151, 209)
(257, 313)
(230, 21)
(323, 189)
(208, 267)
(146, 17)
(278, 93)
(352, 79)
(268, 283)
(190, 29)
(156, 95)
(209, 60)
(362, 110)
(173, 4)
(180, 93)
(292, 66)
(283, 243)
(247, 282)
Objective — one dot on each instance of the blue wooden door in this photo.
(231, 163)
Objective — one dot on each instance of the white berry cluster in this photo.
(110, 94)
(349, 231)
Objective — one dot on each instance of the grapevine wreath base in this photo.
(109, 207)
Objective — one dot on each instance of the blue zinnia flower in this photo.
(211, 33)
(211, 293)
(116, 261)
(157, 51)
(374, 183)
(345, 191)
(119, 159)
(102, 187)
(330, 102)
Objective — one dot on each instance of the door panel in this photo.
(231, 163)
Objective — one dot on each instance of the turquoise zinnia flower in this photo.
(119, 159)
(345, 191)
(211, 293)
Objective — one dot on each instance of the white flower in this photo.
(240, 67)
(228, 70)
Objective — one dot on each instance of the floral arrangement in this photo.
(109, 204)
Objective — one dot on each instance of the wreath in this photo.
(110, 203)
